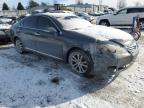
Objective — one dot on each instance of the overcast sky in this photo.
(112, 3)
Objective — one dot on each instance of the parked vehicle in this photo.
(38, 11)
(96, 14)
(109, 11)
(123, 17)
(85, 16)
(88, 48)
(5, 25)
(7, 19)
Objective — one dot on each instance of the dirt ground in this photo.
(31, 81)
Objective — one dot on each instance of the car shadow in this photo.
(31, 80)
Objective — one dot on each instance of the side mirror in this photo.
(52, 29)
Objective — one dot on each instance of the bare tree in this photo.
(138, 3)
(121, 4)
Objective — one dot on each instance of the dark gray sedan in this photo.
(87, 48)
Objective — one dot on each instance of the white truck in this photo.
(123, 17)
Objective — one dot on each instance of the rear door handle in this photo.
(37, 34)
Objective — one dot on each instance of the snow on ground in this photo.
(33, 81)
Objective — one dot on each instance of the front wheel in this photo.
(19, 46)
(80, 63)
(104, 23)
(137, 36)
(142, 25)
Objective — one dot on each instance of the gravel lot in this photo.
(30, 81)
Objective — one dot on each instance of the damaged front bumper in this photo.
(114, 62)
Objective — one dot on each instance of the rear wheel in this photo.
(19, 46)
(80, 62)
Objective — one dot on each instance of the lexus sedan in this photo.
(88, 48)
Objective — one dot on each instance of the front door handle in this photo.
(37, 34)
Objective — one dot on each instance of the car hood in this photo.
(105, 16)
(105, 33)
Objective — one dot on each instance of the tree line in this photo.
(32, 3)
(20, 6)
(123, 3)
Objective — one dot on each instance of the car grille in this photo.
(132, 48)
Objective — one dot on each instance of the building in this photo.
(74, 7)
(87, 8)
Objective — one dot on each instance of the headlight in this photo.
(111, 47)
(130, 43)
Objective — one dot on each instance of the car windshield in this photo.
(72, 21)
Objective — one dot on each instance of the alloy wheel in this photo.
(78, 62)
(19, 46)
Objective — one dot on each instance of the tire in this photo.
(19, 46)
(137, 36)
(80, 62)
(142, 24)
(104, 23)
